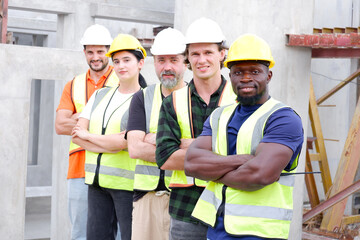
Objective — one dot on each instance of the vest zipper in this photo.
(222, 205)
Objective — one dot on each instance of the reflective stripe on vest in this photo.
(184, 119)
(147, 174)
(266, 212)
(116, 170)
(79, 97)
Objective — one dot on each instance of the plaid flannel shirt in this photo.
(182, 200)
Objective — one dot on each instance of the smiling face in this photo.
(249, 80)
(95, 57)
(205, 59)
(170, 69)
(126, 66)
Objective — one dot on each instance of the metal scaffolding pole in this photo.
(3, 19)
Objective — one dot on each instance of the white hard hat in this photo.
(96, 35)
(168, 42)
(204, 30)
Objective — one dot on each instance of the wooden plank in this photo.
(350, 220)
(351, 30)
(319, 142)
(317, 235)
(310, 183)
(329, 105)
(311, 236)
(338, 87)
(327, 30)
(339, 30)
(309, 142)
(345, 173)
(315, 157)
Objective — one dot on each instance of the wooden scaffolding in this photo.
(331, 43)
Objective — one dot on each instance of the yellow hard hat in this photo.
(125, 42)
(249, 47)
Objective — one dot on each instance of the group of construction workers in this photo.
(206, 159)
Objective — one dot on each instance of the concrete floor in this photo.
(38, 218)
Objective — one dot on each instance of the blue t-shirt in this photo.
(283, 126)
(219, 233)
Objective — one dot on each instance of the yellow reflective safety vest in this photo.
(79, 97)
(147, 174)
(114, 170)
(182, 106)
(266, 212)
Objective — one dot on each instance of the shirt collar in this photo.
(103, 77)
(218, 91)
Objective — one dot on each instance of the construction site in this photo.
(316, 47)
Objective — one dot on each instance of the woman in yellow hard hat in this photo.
(109, 171)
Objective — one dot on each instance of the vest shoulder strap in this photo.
(148, 102)
(214, 122)
(100, 94)
(182, 107)
(78, 92)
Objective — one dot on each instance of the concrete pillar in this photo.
(40, 138)
(60, 222)
(71, 27)
(270, 20)
(14, 109)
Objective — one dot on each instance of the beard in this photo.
(249, 101)
(167, 82)
(100, 68)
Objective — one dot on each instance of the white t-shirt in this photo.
(117, 100)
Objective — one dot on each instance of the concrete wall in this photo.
(63, 22)
(271, 20)
(21, 65)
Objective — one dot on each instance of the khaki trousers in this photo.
(151, 219)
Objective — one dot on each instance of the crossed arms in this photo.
(143, 146)
(244, 172)
(111, 143)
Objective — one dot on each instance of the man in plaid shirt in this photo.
(181, 119)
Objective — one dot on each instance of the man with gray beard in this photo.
(151, 219)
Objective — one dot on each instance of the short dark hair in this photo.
(107, 47)
(266, 63)
(221, 46)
